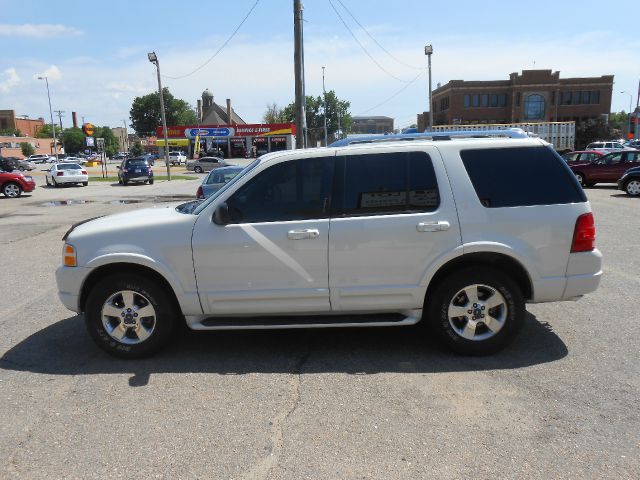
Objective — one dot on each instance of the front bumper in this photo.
(69, 281)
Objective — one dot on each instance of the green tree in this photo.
(27, 149)
(619, 120)
(592, 130)
(145, 112)
(47, 132)
(136, 149)
(274, 114)
(111, 144)
(73, 140)
(11, 132)
(339, 119)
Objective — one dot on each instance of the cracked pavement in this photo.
(335, 404)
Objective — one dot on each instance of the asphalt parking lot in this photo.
(561, 402)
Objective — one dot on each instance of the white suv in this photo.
(380, 234)
(177, 158)
(38, 158)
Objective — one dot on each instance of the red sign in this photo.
(240, 130)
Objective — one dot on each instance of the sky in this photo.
(95, 54)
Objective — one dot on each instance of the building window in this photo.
(475, 100)
(566, 98)
(494, 100)
(485, 100)
(444, 104)
(575, 98)
(595, 96)
(586, 97)
(534, 107)
(518, 99)
(502, 100)
(467, 101)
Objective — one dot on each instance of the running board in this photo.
(301, 321)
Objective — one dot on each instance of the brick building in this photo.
(27, 126)
(532, 96)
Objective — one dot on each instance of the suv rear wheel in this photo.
(129, 316)
(476, 311)
(632, 187)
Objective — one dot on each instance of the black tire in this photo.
(151, 181)
(198, 169)
(580, 178)
(125, 182)
(444, 295)
(85, 184)
(630, 189)
(159, 299)
(46, 179)
(119, 181)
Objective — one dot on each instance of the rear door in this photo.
(393, 215)
(608, 169)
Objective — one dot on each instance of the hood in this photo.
(130, 224)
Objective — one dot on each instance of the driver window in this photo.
(613, 159)
(293, 190)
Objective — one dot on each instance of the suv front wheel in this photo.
(129, 316)
(476, 311)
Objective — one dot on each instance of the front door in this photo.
(393, 217)
(272, 258)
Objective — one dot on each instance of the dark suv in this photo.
(135, 170)
(607, 169)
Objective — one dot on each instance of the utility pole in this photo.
(125, 137)
(60, 115)
(153, 58)
(324, 96)
(53, 125)
(298, 56)
(428, 51)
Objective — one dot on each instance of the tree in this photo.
(11, 132)
(73, 140)
(136, 149)
(592, 130)
(337, 116)
(111, 144)
(27, 149)
(274, 114)
(619, 120)
(146, 116)
(47, 132)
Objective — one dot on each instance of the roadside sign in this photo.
(100, 144)
(88, 129)
(90, 141)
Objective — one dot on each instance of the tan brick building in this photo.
(531, 96)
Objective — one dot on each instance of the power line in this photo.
(226, 42)
(376, 41)
(393, 96)
(363, 47)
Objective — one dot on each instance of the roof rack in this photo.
(435, 136)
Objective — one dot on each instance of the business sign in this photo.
(90, 141)
(225, 131)
(88, 129)
(209, 132)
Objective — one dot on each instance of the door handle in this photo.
(440, 226)
(305, 234)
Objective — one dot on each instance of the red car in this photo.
(606, 169)
(12, 184)
(582, 156)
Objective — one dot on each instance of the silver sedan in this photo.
(216, 179)
(206, 164)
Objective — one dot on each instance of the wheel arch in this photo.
(119, 268)
(505, 263)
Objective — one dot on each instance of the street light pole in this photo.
(324, 96)
(630, 102)
(53, 125)
(428, 50)
(125, 137)
(153, 58)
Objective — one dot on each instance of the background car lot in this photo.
(558, 403)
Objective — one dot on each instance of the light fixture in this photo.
(153, 58)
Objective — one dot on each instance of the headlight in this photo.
(69, 255)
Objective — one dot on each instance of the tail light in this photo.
(59, 174)
(199, 193)
(84, 172)
(584, 234)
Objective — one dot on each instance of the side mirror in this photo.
(222, 216)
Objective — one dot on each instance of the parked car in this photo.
(25, 165)
(606, 146)
(206, 164)
(607, 169)
(65, 173)
(13, 184)
(78, 160)
(9, 164)
(632, 144)
(177, 158)
(583, 156)
(38, 158)
(119, 156)
(630, 181)
(216, 179)
(136, 170)
(360, 236)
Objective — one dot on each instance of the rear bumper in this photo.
(584, 272)
(72, 179)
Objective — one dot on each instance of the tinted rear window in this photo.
(69, 166)
(521, 176)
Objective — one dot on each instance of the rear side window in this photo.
(521, 176)
(384, 184)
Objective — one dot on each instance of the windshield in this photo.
(226, 186)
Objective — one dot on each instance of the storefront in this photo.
(230, 141)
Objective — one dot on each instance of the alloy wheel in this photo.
(11, 190)
(633, 187)
(128, 317)
(477, 312)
